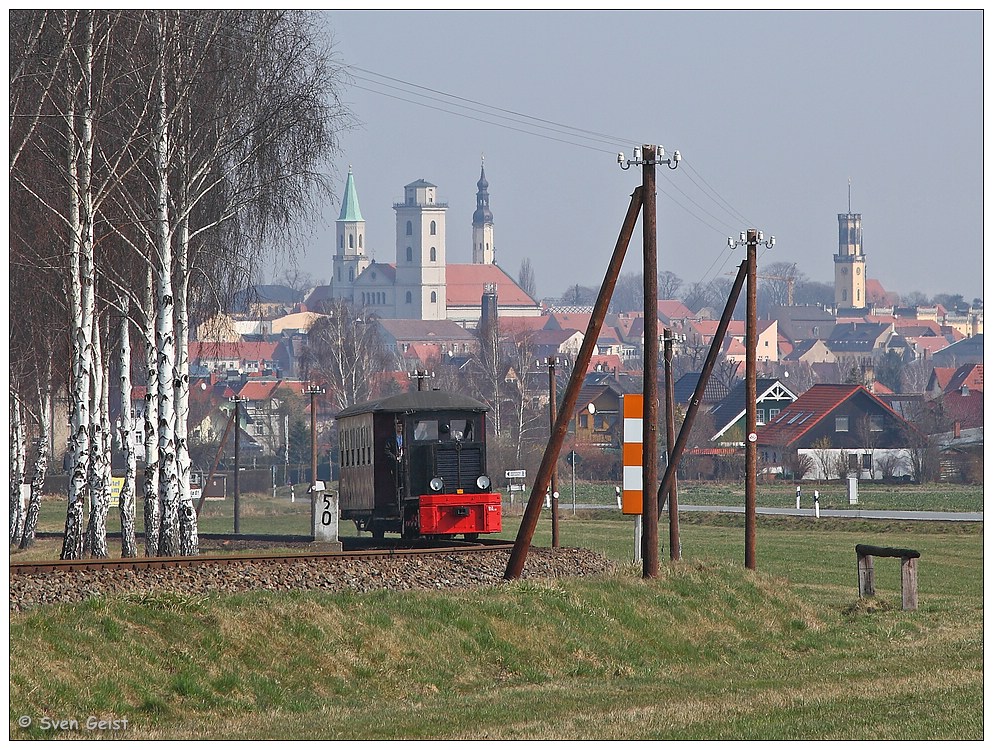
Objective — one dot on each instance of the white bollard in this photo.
(817, 504)
(798, 497)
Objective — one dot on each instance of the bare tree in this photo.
(669, 285)
(346, 353)
(824, 455)
(525, 278)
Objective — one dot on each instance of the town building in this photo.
(421, 283)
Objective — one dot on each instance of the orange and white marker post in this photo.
(632, 495)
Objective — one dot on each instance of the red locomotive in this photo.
(415, 464)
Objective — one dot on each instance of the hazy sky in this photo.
(773, 113)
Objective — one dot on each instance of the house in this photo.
(248, 358)
(729, 415)
(597, 419)
(962, 352)
(685, 386)
(556, 343)
(810, 351)
(800, 322)
(859, 339)
(842, 430)
(767, 338)
(453, 339)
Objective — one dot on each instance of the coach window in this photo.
(426, 429)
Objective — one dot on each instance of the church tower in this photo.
(483, 249)
(420, 266)
(349, 259)
(849, 263)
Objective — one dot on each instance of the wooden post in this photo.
(867, 576)
(908, 571)
(908, 582)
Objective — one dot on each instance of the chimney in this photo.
(957, 430)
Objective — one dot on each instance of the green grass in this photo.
(708, 650)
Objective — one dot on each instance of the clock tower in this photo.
(849, 264)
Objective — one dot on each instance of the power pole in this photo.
(751, 239)
(553, 414)
(237, 400)
(420, 376)
(670, 440)
(518, 556)
(313, 391)
(649, 156)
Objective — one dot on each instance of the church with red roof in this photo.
(421, 283)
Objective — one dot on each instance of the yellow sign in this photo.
(115, 491)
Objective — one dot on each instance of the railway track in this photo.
(235, 558)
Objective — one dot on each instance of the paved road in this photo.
(892, 515)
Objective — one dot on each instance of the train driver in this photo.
(394, 452)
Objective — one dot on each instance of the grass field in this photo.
(708, 650)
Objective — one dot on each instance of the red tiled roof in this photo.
(522, 324)
(673, 309)
(465, 281)
(259, 390)
(425, 353)
(967, 410)
(810, 408)
(604, 362)
(736, 328)
(569, 321)
(942, 376)
(250, 350)
(970, 376)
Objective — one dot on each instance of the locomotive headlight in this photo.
(483, 482)
(436, 484)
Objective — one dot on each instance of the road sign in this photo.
(516, 474)
(517, 488)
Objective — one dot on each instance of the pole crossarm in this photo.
(515, 566)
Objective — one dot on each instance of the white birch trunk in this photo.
(189, 542)
(17, 467)
(96, 532)
(152, 508)
(127, 496)
(81, 303)
(165, 342)
(41, 458)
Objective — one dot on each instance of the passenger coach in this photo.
(415, 464)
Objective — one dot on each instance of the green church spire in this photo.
(350, 201)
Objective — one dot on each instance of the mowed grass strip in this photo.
(706, 651)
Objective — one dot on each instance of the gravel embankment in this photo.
(458, 570)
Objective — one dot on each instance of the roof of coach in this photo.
(416, 401)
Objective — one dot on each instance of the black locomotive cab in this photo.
(415, 464)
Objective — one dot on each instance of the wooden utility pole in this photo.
(670, 438)
(518, 556)
(237, 462)
(697, 398)
(751, 446)
(553, 414)
(313, 391)
(650, 454)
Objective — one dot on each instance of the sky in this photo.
(778, 116)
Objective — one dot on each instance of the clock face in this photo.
(858, 271)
